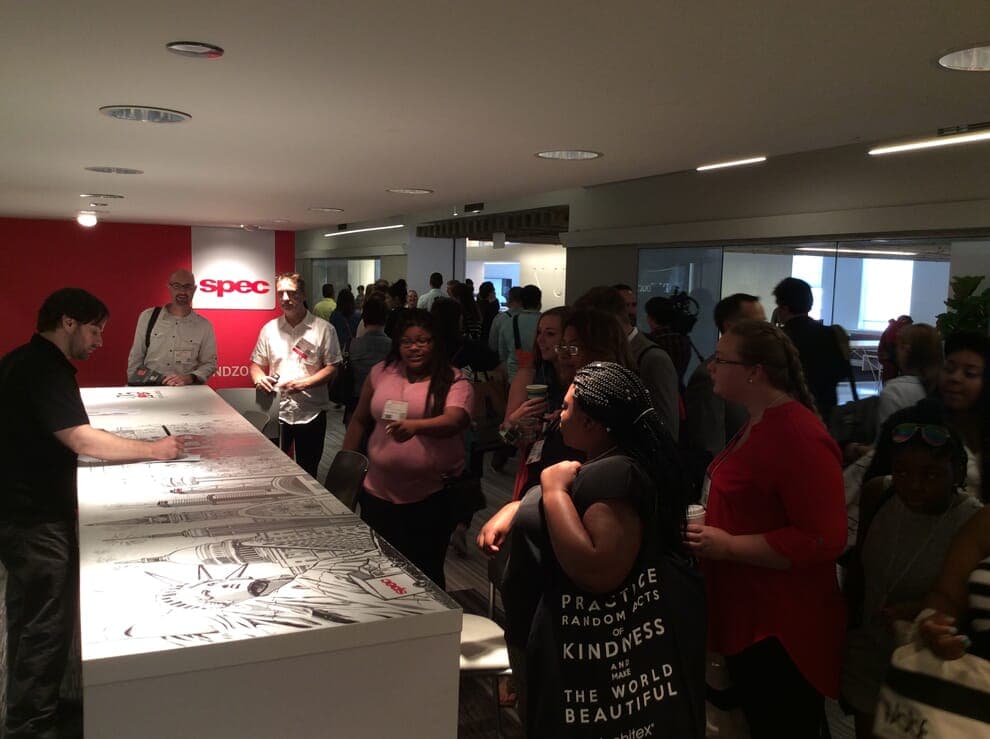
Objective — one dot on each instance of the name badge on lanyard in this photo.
(535, 452)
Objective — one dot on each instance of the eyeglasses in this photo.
(719, 360)
(569, 349)
(406, 343)
(930, 434)
(182, 285)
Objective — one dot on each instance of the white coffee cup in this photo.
(696, 514)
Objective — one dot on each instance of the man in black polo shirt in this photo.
(42, 432)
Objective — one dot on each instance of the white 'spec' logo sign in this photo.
(244, 287)
(235, 268)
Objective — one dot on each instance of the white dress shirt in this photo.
(295, 352)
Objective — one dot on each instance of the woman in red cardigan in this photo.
(776, 522)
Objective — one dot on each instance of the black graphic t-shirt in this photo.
(603, 665)
(527, 573)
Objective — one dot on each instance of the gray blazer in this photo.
(658, 374)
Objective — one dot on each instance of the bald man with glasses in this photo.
(173, 345)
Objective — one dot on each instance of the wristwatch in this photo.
(510, 434)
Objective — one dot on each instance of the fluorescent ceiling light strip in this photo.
(826, 250)
(362, 230)
(734, 163)
(956, 138)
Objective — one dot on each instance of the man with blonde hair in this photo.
(296, 356)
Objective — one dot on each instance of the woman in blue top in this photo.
(345, 318)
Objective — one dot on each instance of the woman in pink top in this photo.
(420, 407)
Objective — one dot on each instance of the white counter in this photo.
(229, 595)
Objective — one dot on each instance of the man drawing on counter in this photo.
(45, 430)
(296, 356)
(173, 345)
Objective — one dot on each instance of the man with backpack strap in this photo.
(173, 345)
(516, 334)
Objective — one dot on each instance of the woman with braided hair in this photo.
(578, 550)
(776, 522)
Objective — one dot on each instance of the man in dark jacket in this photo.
(822, 360)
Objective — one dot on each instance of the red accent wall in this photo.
(126, 266)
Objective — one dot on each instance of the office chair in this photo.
(483, 650)
(258, 419)
(345, 476)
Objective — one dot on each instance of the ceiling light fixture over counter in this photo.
(409, 191)
(970, 59)
(100, 196)
(733, 163)
(344, 230)
(114, 170)
(144, 114)
(830, 250)
(195, 49)
(946, 137)
(320, 209)
(86, 219)
(570, 155)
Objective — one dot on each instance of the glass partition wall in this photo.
(860, 285)
(340, 273)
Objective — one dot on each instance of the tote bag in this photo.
(925, 696)
(627, 663)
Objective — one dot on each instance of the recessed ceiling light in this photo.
(346, 231)
(98, 205)
(86, 219)
(325, 210)
(946, 139)
(569, 154)
(410, 191)
(114, 170)
(733, 163)
(280, 220)
(195, 49)
(144, 114)
(970, 59)
(100, 195)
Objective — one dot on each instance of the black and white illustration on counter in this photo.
(235, 544)
(276, 582)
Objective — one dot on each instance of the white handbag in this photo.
(925, 696)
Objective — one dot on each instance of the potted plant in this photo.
(968, 310)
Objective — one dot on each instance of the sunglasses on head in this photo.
(930, 434)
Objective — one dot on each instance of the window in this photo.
(810, 270)
(885, 292)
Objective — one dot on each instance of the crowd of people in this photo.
(802, 562)
(800, 609)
